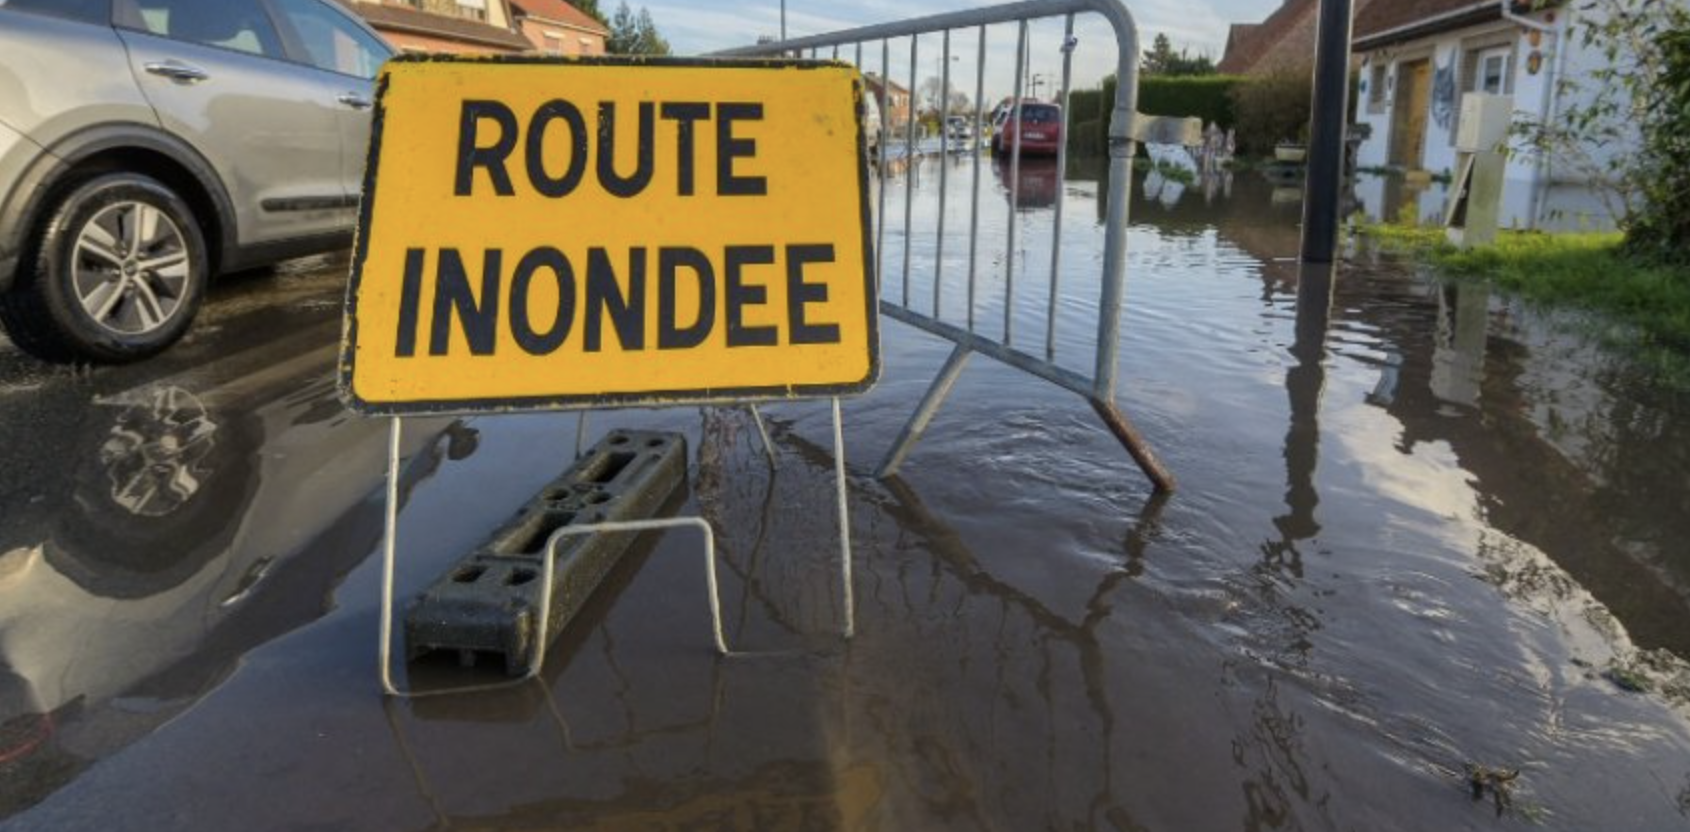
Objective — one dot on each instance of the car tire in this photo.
(119, 271)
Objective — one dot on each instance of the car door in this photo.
(347, 55)
(217, 74)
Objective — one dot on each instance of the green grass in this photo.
(1586, 270)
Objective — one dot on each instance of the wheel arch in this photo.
(112, 148)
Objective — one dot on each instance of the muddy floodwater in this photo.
(1426, 532)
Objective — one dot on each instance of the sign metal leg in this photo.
(763, 431)
(389, 543)
(841, 498)
(844, 521)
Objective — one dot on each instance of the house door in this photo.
(1408, 121)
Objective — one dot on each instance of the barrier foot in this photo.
(1133, 441)
(390, 547)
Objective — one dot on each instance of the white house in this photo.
(1417, 59)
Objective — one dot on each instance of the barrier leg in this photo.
(1133, 441)
(923, 415)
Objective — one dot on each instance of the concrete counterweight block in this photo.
(487, 602)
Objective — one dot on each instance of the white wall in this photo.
(1580, 62)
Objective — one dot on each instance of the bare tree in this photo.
(931, 96)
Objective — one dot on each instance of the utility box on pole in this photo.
(1481, 137)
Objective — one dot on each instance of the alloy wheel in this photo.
(130, 270)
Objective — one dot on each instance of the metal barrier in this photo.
(1125, 129)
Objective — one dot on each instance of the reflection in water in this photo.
(1417, 525)
(1304, 382)
(155, 454)
(1036, 184)
(1271, 754)
(1217, 185)
(1458, 349)
(201, 517)
(899, 730)
(1396, 198)
(1563, 459)
(949, 765)
(1163, 189)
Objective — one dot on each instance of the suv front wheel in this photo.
(119, 272)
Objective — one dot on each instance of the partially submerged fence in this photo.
(1126, 127)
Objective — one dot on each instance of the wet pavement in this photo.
(1453, 536)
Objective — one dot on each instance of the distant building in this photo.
(1284, 40)
(896, 109)
(457, 27)
(555, 27)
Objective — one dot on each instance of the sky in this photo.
(698, 26)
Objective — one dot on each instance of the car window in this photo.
(241, 25)
(331, 41)
(87, 11)
(1040, 115)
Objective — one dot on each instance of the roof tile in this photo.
(1249, 45)
(560, 12)
(1395, 14)
(407, 19)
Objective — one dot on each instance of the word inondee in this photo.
(601, 299)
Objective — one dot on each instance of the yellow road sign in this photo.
(541, 233)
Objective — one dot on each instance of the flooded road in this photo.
(1426, 529)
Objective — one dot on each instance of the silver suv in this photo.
(146, 145)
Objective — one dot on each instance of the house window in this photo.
(473, 9)
(1376, 87)
(554, 44)
(1495, 72)
(1487, 65)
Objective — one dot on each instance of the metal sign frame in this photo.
(581, 404)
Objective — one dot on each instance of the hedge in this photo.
(1208, 97)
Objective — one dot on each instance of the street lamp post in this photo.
(1323, 190)
(944, 80)
(783, 19)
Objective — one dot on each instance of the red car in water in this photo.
(1039, 130)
